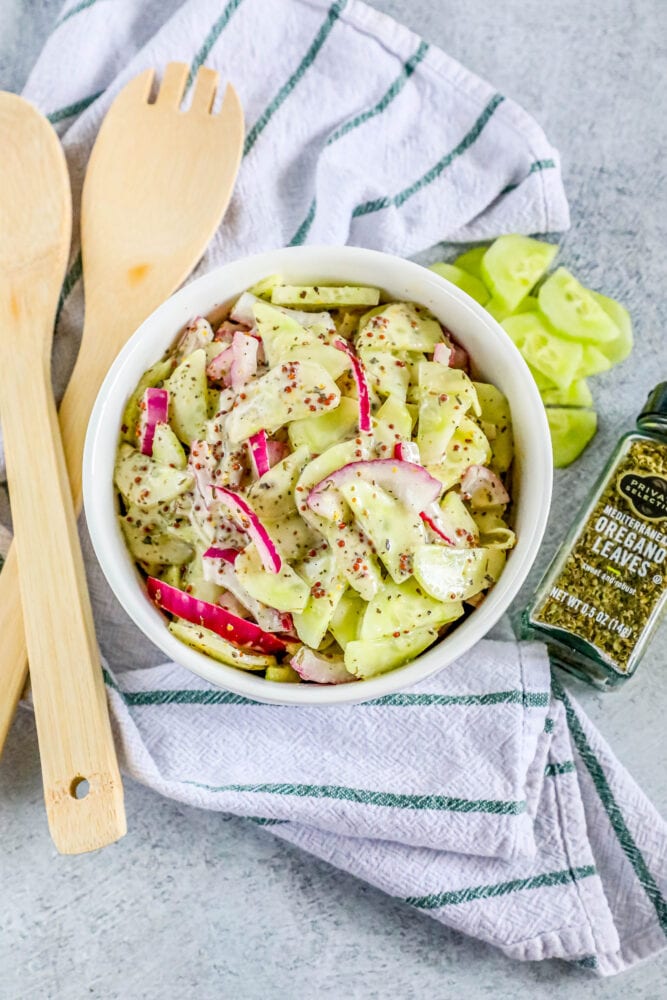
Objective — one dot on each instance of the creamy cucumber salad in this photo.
(317, 488)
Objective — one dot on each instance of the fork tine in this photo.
(206, 85)
(171, 90)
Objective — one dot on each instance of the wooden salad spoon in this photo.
(157, 186)
(73, 726)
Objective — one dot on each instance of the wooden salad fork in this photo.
(73, 724)
(157, 185)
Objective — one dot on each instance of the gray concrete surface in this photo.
(191, 904)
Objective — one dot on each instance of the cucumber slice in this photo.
(496, 411)
(593, 362)
(282, 675)
(468, 446)
(495, 533)
(188, 399)
(388, 375)
(172, 575)
(471, 261)
(571, 430)
(495, 564)
(616, 350)
(573, 311)
(467, 282)
(355, 557)
(512, 266)
(459, 519)
(555, 357)
(155, 376)
(272, 496)
(213, 645)
(576, 394)
(438, 421)
(401, 326)
(264, 288)
(397, 417)
(324, 297)
(326, 589)
(143, 482)
(529, 304)
(369, 657)
(344, 625)
(450, 574)
(284, 591)
(196, 583)
(293, 537)
(319, 433)
(401, 607)
(437, 379)
(152, 546)
(292, 391)
(393, 529)
(167, 449)
(541, 381)
(392, 424)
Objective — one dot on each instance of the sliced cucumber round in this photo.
(571, 430)
(576, 394)
(555, 357)
(467, 282)
(450, 574)
(573, 311)
(369, 657)
(512, 266)
(616, 350)
(471, 261)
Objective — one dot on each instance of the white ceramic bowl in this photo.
(497, 361)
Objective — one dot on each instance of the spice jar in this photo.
(601, 597)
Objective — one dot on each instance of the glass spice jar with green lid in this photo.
(600, 599)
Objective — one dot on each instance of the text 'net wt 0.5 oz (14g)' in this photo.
(600, 600)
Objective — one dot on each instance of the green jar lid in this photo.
(653, 414)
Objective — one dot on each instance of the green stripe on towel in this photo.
(394, 90)
(363, 796)
(199, 696)
(469, 895)
(431, 175)
(287, 88)
(210, 40)
(73, 109)
(83, 5)
(565, 767)
(611, 807)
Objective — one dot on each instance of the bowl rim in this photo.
(161, 327)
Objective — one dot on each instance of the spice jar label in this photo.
(610, 586)
(646, 494)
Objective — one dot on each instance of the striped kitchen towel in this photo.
(483, 796)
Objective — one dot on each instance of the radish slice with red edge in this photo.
(244, 359)
(227, 555)
(237, 630)
(250, 523)
(154, 410)
(318, 669)
(407, 451)
(482, 487)
(359, 376)
(219, 368)
(409, 483)
(431, 517)
(259, 453)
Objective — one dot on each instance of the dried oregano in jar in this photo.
(601, 598)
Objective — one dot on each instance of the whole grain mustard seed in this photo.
(603, 594)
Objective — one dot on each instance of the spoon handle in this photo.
(73, 727)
